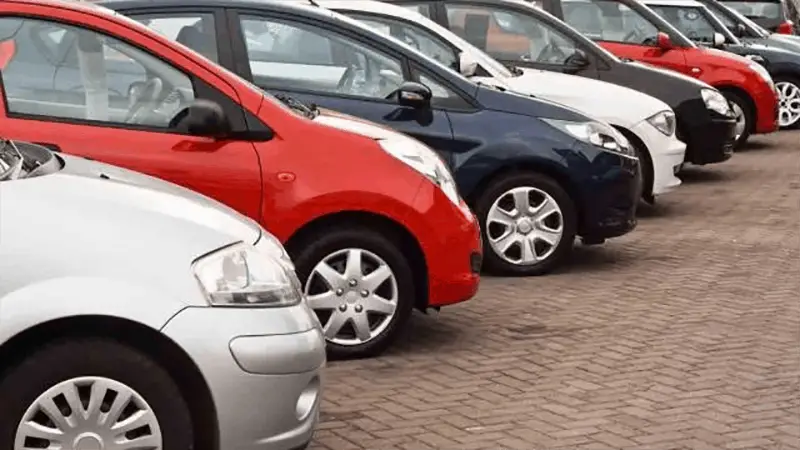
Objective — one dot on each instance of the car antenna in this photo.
(313, 2)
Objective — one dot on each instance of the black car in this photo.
(773, 15)
(704, 124)
(747, 30)
(536, 173)
(698, 23)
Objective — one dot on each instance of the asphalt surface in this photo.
(684, 334)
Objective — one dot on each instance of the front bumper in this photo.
(266, 387)
(450, 239)
(609, 194)
(667, 154)
(709, 141)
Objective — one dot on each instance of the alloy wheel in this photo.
(355, 294)
(789, 103)
(741, 121)
(89, 413)
(524, 226)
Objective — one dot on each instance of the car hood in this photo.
(615, 104)
(524, 104)
(772, 53)
(723, 54)
(774, 41)
(355, 125)
(105, 186)
(666, 72)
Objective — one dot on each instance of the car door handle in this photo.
(52, 147)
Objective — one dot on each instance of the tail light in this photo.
(7, 49)
(786, 27)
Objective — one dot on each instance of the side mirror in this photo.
(718, 39)
(740, 30)
(203, 118)
(467, 64)
(576, 61)
(663, 41)
(414, 95)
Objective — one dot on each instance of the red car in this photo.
(629, 29)
(371, 218)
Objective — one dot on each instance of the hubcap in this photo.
(524, 226)
(354, 293)
(741, 120)
(789, 103)
(89, 413)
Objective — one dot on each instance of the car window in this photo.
(97, 78)
(509, 35)
(605, 20)
(293, 56)
(414, 36)
(758, 10)
(721, 15)
(194, 30)
(689, 21)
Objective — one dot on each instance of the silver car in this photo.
(135, 314)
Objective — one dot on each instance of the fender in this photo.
(85, 296)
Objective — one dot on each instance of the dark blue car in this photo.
(536, 173)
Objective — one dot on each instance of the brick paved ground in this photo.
(682, 335)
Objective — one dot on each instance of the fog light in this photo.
(307, 400)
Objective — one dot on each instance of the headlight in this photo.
(595, 133)
(664, 122)
(715, 101)
(425, 161)
(270, 245)
(242, 276)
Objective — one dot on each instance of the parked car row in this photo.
(341, 163)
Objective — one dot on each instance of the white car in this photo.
(646, 121)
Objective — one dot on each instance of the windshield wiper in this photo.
(516, 71)
(490, 86)
(309, 110)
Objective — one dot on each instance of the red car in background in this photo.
(371, 218)
(629, 29)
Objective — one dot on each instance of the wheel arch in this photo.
(145, 339)
(742, 93)
(409, 243)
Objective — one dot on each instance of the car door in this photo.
(93, 111)
(623, 31)
(508, 34)
(338, 69)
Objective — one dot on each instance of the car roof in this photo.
(688, 3)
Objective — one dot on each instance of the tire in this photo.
(103, 360)
(334, 246)
(794, 85)
(738, 100)
(497, 194)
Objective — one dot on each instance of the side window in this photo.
(443, 97)
(296, 56)
(608, 20)
(194, 30)
(424, 9)
(509, 35)
(688, 21)
(721, 15)
(414, 36)
(98, 78)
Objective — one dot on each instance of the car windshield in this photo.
(759, 10)
(614, 21)
(697, 24)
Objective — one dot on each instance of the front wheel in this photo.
(528, 223)
(92, 394)
(789, 91)
(360, 286)
(745, 117)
